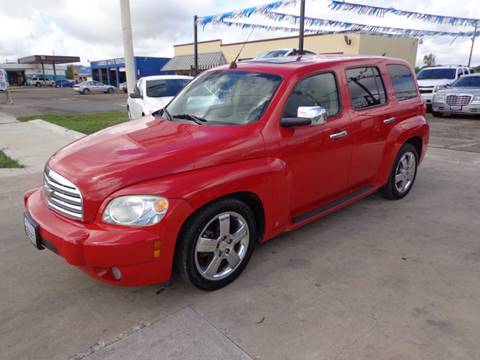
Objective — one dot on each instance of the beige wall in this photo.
(403, 48)
(360, 44)
(203, 47)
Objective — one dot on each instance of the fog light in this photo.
(117, 274)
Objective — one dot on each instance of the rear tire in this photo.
(216, 244)
(403, 173)
(110, 90)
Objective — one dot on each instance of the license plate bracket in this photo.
(32, 231)
(455, 107)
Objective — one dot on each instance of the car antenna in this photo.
(233, 64)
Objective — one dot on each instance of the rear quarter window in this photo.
(402, 81)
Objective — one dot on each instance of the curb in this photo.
(57, 129)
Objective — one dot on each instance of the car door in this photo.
(371, 116)
(317, 156)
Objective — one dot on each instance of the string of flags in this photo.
(272, 12)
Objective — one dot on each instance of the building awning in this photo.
(186, 62)
(48, 59)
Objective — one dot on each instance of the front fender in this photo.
(416, 126)
(261, 176)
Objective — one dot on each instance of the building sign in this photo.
(3, 80)
(117, 61)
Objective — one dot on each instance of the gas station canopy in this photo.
(48, 59)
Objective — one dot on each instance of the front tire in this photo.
(403, 173)
(216, 244)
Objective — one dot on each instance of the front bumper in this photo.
(471, 109)
(97, 247)
(427, 98)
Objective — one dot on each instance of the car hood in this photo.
(434, 82)
(461, 90)
(149, 148)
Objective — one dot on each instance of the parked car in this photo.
(123, 87)
(64, 83)
(241, 155)
(39, 80)
(431, 79)
(93, 86)
(461, 97)
(151, 93)
(282, 52)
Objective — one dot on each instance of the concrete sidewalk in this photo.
(31, 143)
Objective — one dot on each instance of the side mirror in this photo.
(136, 95)
(306, 115)
(316, 114)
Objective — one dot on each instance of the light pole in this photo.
(302, 27)
(127, 44)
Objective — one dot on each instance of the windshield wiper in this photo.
(195, 119)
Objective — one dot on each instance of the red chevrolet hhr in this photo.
(243, 153)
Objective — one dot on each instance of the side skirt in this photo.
(336, 203)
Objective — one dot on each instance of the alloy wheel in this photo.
(405, 172)
(222, 245)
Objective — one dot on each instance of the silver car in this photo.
(461, 97)
(93, 86)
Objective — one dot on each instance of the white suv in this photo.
(432, 79)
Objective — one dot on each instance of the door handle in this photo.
(339, 135)
(389, 120)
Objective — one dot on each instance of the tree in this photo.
(429, 60)
(69, 72)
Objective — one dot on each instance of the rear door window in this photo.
(366, 87)
(402, 81)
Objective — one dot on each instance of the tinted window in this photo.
(403, 82)
(366, 87)
(317, 90)
(468, 81)
(160, 88)
(436, 74)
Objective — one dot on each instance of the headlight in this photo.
(136, 210)
(439, 97)
(476, 99)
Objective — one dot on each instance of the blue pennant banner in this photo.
(362, 9)
(310, 21)
(246, 13)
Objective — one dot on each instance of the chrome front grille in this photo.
(458, 100)
(62, 196)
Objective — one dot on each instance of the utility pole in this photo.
(302, 27)
(473, 43)
(195, 44)
(128, 44)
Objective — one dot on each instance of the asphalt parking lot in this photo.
(377, 280)
(35, 101)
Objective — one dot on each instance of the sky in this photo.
(91, 28)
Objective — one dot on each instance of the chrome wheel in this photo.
(405, 172)
(222, 245)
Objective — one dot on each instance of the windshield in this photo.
(165, 87)
(226, 97)
(432, 74)
(469, 81)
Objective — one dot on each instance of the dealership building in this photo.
(214, 52)
(112, 71)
